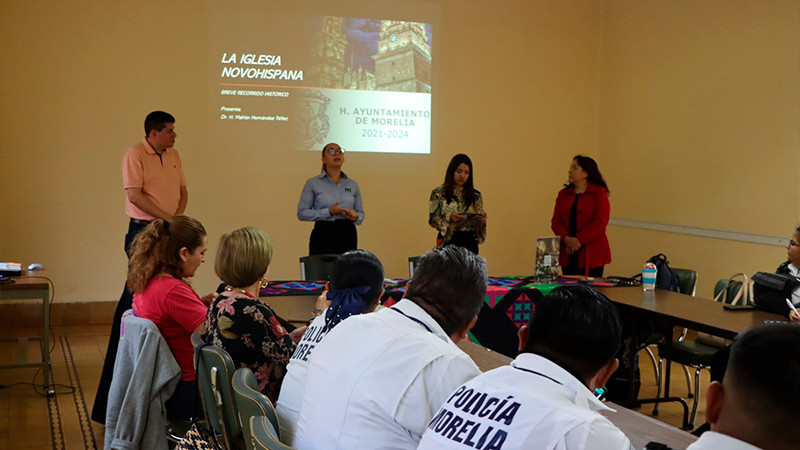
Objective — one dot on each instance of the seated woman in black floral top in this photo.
(238, 321)
(456, 207)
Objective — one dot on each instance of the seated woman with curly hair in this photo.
(163, 256)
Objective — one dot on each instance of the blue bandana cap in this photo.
(345, 303)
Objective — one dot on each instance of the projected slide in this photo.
(309, 80)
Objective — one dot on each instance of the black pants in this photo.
(133, 229)
(334, 237)
(464, 239)
(125, 303)
(595, 272)
(185, 402)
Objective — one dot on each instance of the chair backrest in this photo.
(412, 265)
(687, 280)
(197, 342)
(263, 435)
(733, 289)
(214, 373)
(250, 402)
(317, 267)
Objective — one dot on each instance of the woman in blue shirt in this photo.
(332, 200)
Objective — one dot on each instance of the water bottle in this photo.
(649, 274)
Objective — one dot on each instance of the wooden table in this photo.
(295, 308)
(676, 309)
(639, 428)
(642, 429)
(31, 286)
(684, 310)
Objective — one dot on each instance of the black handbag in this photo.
(770, 291)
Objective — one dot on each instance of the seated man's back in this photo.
(530, 404)
(544, 399)
(758, 401)
(376, 380)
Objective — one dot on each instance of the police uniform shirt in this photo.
(711, 440)
(376, 380)
(294, 383)
(531, 404)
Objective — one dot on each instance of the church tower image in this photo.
(327, 68)
(403, 61)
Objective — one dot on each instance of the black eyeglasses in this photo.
(792, 243)
(335, 151)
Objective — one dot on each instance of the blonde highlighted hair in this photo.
(156, 249)
(243, 256)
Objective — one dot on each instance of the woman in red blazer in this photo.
(580, 219)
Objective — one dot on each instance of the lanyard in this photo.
(413, 319)
(538, 373)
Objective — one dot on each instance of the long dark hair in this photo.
(593, 174)
(468, 191)
(157, 247)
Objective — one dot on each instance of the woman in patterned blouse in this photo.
(238, 321)
(456, 207)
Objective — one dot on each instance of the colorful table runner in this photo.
(508, 304)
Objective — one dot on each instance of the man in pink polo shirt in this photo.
(155, 188)
(152, 176)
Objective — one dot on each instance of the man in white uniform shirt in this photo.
(757, 405)
(544, 399)
(377, 379)
(356, 286)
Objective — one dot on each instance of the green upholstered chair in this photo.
(732, 288)
(317, 267)
(687, 281)
(250, 402)
(214, 373)
(687, 284)
(696, 354)
(263, 435)
(689, 353)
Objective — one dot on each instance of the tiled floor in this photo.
(25, 413)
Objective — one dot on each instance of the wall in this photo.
(516, 90)
(691, 107)
(699, 127)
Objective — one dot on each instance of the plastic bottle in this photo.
(649, 274)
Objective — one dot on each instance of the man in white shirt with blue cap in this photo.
(376, 379)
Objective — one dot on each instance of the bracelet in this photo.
(317, 312)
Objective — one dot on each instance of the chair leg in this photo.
(659, 382)
(653, 361)
(177, 429)
(688, 381)
(696, 401)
